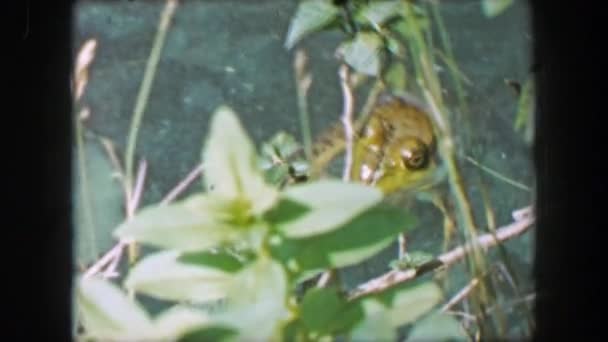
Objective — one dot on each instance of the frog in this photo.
(395, 146)
(395, 150)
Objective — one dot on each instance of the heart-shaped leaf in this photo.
(311, 16)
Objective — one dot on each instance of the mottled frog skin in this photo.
(394, 150)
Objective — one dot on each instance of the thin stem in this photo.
(303, 82)
(108, 257)
(145, 88)
(179, 188)
(133, 202)
(499, 176)
(347, 121)
(462, 294)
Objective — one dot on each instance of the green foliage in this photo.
(231, 166)
(326, 312)
(362, 53)
(378, 12)
(396, 77)
(281, 161)
(524, 117)
(178, 280)
(248, 240)
(330, 205)
(108, 314)
(246, 243)
(409, 302)
(371, 32)
(210, 334)
(395, 308)
(437, 327)
(362, 237)
(311, 16)
(97, 199)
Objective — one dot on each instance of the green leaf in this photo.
(396, 78)
(218, 260)
(319, 306)
(525, 110)
(362, 237)
(331, 203)
(311, 16)
(375, 326)
(98, 199)
(231, 168)
(163, 276)
(210, 334)
(194, 224)
(285, 211)
(492, 8)
(350, 315)
(363, 53)
(178, 321)
(437, 327)
(276, 174)
(324, 312)
(376, 13)
(386, 312)
(258, 297)
(107, 312)
(408, 303)
(282, 145)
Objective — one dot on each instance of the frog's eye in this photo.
(416, 156)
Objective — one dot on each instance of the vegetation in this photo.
(253, 255)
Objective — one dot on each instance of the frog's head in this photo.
(407, 164)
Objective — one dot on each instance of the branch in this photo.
(524, 219)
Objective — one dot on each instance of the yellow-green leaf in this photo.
(177, 321)
(358, 239)
(331, 204)
(232, 170)
(396, 77)
(410, 303)
(163, 276)
(194, 224)
(108, 314)
(258, 298)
